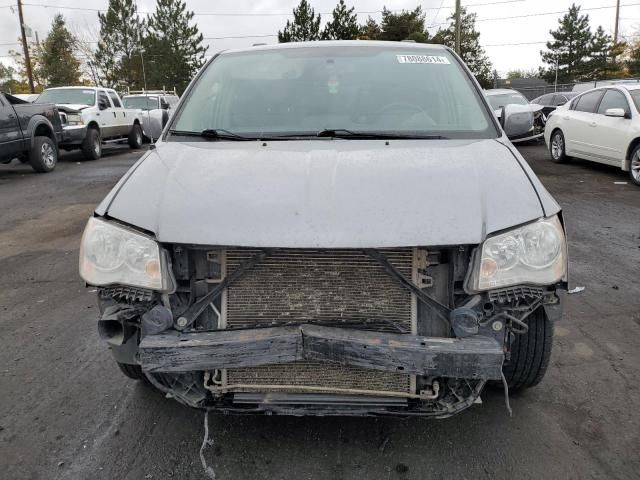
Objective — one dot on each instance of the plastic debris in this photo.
(576, 290)
(620, 183)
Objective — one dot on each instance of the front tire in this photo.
(135, 137)
(530, 353)
(634, 166)
(43, 157)
(557, 147)
(92, 145)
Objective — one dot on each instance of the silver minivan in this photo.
(330, 228)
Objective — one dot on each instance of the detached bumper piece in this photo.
(473, 357)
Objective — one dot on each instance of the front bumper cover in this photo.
(73, 134)
(475, 357)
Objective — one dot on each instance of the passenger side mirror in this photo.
(615, 112)
(518, 120)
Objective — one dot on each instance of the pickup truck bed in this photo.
(30, 132)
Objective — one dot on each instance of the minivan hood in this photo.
(326, 193)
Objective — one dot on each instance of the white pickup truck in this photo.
(92, 116)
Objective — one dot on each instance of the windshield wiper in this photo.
(344, 133)
(214, 134)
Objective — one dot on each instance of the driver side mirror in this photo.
(102, 105)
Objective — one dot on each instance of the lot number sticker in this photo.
(423, 59)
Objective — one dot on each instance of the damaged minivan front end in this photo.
(332, 274)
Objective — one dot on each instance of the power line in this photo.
(262, 14)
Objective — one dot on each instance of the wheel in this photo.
(634, 167)
(92, 145)
(44, 155)
(132, 371)
(557, 147)
(135, 137)
(530, 353)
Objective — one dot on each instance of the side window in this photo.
(588, 101)
(613, 99)
(559, 100)
(102, 98)
(114, 99)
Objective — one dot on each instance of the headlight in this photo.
(111, 254)
(533, 254)
(74, 119)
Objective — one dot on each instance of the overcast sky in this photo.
(268, 16)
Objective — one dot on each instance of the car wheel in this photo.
(132, 371)
(43, 157)
(530, 353)
(135, 137)
(557, 147)
(92, 145)
(634, 167)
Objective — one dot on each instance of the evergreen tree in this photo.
(604, 52)
(173, 47)
(406, 25)
(343, 26)
(370, 30)
(470, 50)
(58, 63)
(570, 48)
(118, 54)
(305, 25)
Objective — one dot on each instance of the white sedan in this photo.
(601, 125)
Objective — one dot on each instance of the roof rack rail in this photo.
(152, 92)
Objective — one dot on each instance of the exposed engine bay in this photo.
(320, 331)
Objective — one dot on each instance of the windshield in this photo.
(635, 94)
(302, 91)
(502, 99)
(143, 103)
(68, 96)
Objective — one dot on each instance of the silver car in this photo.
(157, 108)
(330, 228)
(526, 121)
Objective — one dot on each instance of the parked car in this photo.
(527, 121)
(584, 86)
(551, 101)
(601, 125)
(92, 116)
(157, 106)
(29, 132)
(329, 228)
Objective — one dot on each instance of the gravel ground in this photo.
(66, 412)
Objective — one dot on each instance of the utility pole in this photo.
(25, 47)
(615, 32)
(457, 47)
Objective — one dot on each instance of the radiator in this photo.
(331, 287)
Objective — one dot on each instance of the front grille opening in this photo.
(332, 287)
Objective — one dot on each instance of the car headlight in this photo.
(532, 254)
(74, 119)
(113, 254)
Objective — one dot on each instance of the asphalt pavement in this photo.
(66, 411)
